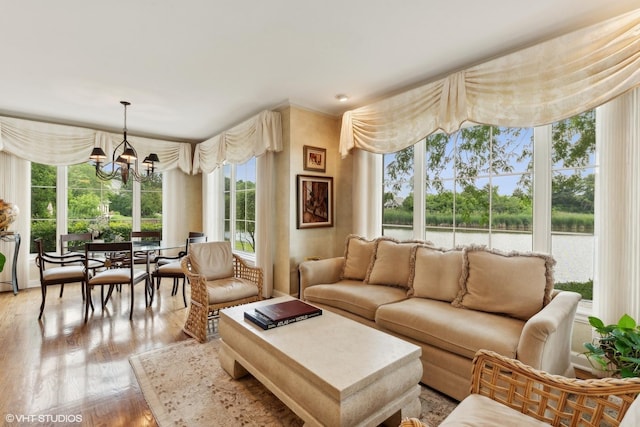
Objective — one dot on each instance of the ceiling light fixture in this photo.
(342, 98)
(124, 160)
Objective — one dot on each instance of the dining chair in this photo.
(119, 270)
(140, 257)
(170, 267)
(74, 243)
(58, 270)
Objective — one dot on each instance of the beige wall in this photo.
(302, 127)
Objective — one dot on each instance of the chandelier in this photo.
(124, 160)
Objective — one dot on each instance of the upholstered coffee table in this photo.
(329, 370)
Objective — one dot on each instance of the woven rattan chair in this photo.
(218, 279)
(506, 392)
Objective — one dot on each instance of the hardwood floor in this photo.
(62, 368)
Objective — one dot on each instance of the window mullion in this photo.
(419, 190)
(542, 176)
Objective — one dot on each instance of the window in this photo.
(572, 203)
(478, 188)
(151, 204)
(240, 206)
(43, 206)
(102, 207)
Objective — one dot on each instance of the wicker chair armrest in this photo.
(197, 282)
(245, 271)
(553, 399)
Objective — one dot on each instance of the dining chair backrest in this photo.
(74, 242)
(196, 234)
(115, 254)
(194, 239)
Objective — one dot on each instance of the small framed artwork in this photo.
(315, 201)
(315, 159)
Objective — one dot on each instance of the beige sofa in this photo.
(449, 302)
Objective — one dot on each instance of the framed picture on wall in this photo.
(315, 159)
(315, 201)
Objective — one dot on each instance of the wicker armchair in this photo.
(218, 279)
(507, 392)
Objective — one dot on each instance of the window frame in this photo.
(62, 191)
(233, 168)
(542, 176)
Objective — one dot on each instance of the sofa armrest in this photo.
(545, 342)
(319, 272)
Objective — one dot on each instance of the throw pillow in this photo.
(391, 263)
(517, 284)
(436, 273)
(213, 260)
(357, 257)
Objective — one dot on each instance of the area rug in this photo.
(184, 385)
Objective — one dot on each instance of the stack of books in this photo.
(280, 314)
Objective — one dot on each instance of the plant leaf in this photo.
(595, 322)
(626, 322)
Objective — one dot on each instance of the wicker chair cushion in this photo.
(516, 284)
(230, 289)
(477, 410)
(115, 275)
(66, 272)
(357, 257)
(436, 273)
(213, 260)
(632, 417)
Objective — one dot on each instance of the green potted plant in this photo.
(3, 259)
(617, 350)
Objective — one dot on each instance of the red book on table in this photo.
(288, 310)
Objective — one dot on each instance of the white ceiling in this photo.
(193, 68)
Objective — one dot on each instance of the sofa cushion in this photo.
(517, 284)
(459, 331)
(436, 273)
(357, 257)
(391, 263)
(354, 296)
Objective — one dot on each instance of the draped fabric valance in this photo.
(59, 145)
(539, 85)
(251, 138)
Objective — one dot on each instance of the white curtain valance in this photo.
(539, 85)
(59, 145)
(251, 138)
